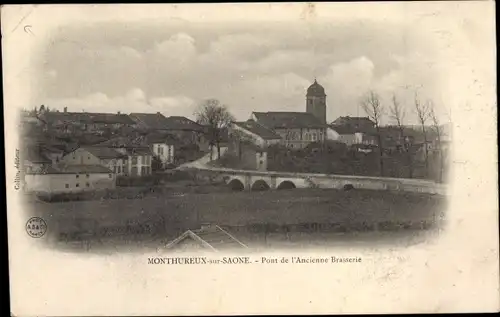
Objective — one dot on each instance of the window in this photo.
(67, 185)
(87, 184)
(88, 175)
(118, 169)
(110, 175)
(77, 185)
(134, 160)
(77, 176)
(88, 157)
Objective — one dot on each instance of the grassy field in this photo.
(249, 214)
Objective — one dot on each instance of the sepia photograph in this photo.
(183, 131)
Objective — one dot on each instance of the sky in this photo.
(171, 68)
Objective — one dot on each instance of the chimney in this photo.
(65, 109)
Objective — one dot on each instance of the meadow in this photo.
(258, 216)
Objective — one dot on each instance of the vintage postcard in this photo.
(219, 159)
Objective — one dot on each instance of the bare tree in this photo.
(216, 117)
(437, 129)
(375, 110)
(422, 111)
(398, 113)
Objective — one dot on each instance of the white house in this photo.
(69, 179)
(139, 156)
(162, 146)
(350, 136)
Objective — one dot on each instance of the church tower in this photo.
(316, 101)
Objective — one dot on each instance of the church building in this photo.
(292, 129)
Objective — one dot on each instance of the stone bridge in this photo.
(264, 180)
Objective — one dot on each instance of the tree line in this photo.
(425, 112)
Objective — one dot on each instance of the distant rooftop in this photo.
(157, 121)
(86, 117)
(103, 152)
(258, 129)
(288, 120)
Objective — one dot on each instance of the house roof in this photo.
(103, 152)
(155, 121)
(288, 120)
(87, 117)
(211, 237)
(160, 137)
(119, 142)
(344, 129)
(47, 148)
(133, 146)
(182, 123)
(258, 129)
(355, 121)
(351, 125)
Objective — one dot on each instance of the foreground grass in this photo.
(246, 213)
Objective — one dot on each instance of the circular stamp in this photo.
(36, 227)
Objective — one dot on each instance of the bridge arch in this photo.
(236, 185)
(286, 185)
(348, 187)
(260, 185)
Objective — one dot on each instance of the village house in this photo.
(351, 136)
(186, 130)
(353, 131)
(248, 155)
(361, 123)
(296, 129)
(139, 156)
(254, 132)
(98, 155)
(162, 145)
(70, 122)
(69, 179)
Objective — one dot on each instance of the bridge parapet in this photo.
(311, 180)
